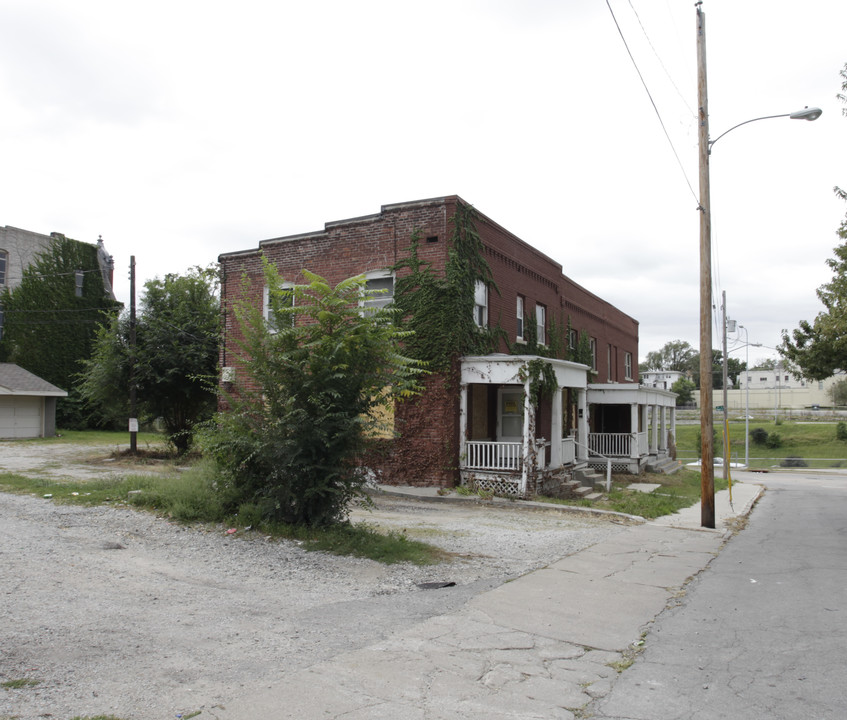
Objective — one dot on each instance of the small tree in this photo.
(684, 389)
(176, 355)
(321, 373)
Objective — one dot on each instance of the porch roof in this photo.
(629, 394)
(501, 369)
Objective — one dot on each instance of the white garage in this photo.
(27, 404)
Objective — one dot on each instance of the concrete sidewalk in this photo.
(541, 646)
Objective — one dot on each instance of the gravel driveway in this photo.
(116, 611)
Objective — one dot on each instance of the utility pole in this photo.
(707, 468)
(133, 419)
(726, 457)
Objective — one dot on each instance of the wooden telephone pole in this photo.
(133, 419)
(707, 454)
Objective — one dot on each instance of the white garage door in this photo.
(20, 417)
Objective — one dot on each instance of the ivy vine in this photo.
(439, 309)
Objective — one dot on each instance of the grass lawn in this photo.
(816, 443)
(677, 491)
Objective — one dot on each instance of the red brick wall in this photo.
(426, 453)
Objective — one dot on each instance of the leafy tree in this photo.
(674, 355)
(717, 369)
(176, 354)
(49, 328)
(287, 445)
(684, 389)
(838, 391)
(819, 348)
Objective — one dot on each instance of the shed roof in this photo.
(14, 380)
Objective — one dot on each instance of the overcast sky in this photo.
(180, 130)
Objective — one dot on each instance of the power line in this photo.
(658, 57)
(652, 102)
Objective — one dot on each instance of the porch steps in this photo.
(574, 488)
(590, 479)
(665, 466)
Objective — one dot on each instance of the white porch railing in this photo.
(610, 444)
(488, 455)
(643, 444)
(568, 451)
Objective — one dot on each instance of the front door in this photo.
(510, 413)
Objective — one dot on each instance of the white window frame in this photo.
(541, 323)
(480, 310)
(519, 311)
(266, 307)
(627, 366)
(593, 343)
(573, 339)
(382, 300)
(4, 266)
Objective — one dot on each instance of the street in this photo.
(761, 632)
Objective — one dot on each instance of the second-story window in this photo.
(4, 261)
(480, 311)
(380, 289)
(541, 324)
(627, 366)
(519, 311)
(286, 300)
(593, 343)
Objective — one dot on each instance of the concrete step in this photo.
(666, 466)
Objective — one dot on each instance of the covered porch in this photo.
(511, 445)
(632, 426)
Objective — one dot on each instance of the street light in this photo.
(806, 113)
(707, 469)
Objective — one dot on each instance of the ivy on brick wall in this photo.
(440, 308)
(47, 328)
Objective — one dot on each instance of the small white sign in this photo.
(133, 424)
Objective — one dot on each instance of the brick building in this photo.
(476, 422)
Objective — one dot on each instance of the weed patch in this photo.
(193, 496)
(19, 683)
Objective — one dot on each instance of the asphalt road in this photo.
(762, 632)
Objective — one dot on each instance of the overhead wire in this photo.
(652, 102)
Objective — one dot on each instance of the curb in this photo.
(525, 505)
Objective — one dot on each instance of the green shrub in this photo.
(759, 436)
(717, 447)
(793, 461)
(774, 441)
(841, 431)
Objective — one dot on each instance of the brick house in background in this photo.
(476, 423)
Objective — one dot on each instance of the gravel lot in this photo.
(116, 611)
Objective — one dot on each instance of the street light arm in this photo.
(806, 113)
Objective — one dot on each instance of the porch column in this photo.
(528, 436)
(582, 424)
(463, 424)
(645, 419)
(633, 424)
(654, 438)
(663, 430)
(673, 423)
(556, 431)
